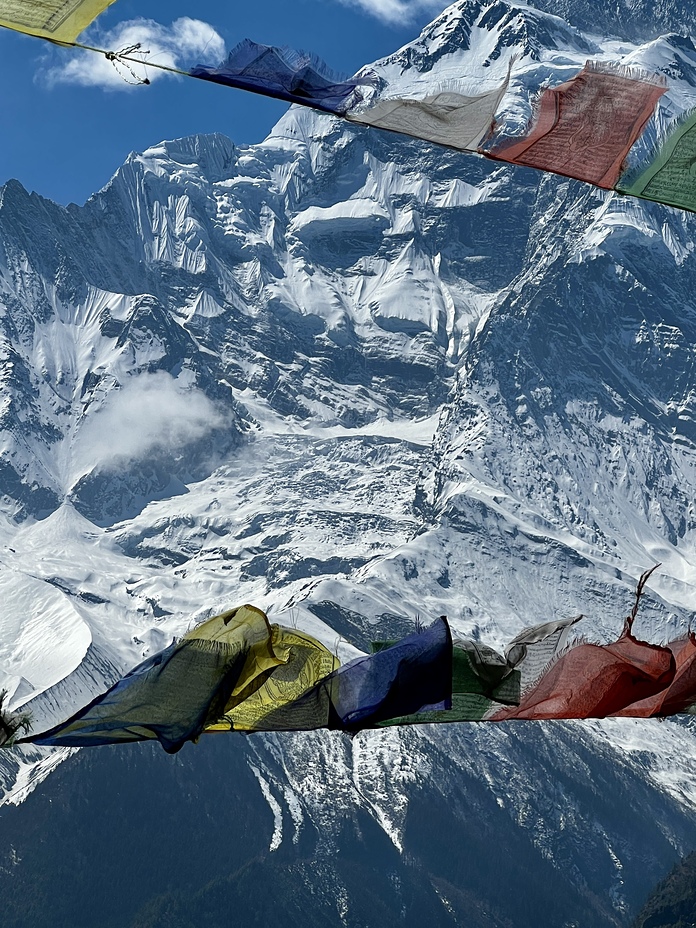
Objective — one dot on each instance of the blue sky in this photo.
(64, 140)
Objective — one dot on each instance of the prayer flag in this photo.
(173, 695)
(585, 127)
(59, 20)
(594, 681)
(671, 178)
(304, 663)
(447, 118)
(285, 74)
(680, 694)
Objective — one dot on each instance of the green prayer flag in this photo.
(481, 678)
(671, 178)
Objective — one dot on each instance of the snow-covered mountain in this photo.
(358, 380)
(635, 19)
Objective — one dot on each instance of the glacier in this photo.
(360, 381)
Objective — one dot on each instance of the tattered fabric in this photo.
(414, 675)
(596, 681)
(680, 695)
(585, 127)
(534, 649)
(175, 694)
(285, 74)
(671, 178)
(446, 118)
(59, 20)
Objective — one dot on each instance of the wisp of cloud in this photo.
(398, 12)
(187, 41)
(151, 413)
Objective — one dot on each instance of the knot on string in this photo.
(120, 60)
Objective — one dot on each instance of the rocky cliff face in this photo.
(357, 380)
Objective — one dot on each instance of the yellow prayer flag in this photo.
(302, 662)
(248, 626)
(59, 20)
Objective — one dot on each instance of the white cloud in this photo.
(186, 42)
(396, 12)
(151, 413)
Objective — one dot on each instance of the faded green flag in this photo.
(671, 178)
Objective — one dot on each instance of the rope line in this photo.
(124, 57)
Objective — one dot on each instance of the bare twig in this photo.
(639, 592)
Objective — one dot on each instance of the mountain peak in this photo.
(213, 152)
(363, 380)
(485, 29)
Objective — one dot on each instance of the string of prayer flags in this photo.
(584, 128)
(236, 672)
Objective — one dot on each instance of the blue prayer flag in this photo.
(286, 74)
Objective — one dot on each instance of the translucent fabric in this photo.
(235, 672)
(585, 127)
(285, 74)
(175, 694)
(671, 178)
(169, 697)
(481, 679)
(533, 650)
(446, 118)
(411, 676)
(59, 20)
(680, 695)
(595, 681)
(304, 663)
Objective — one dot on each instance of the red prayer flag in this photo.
(594, 681)
(586, 126)
(681, 692)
